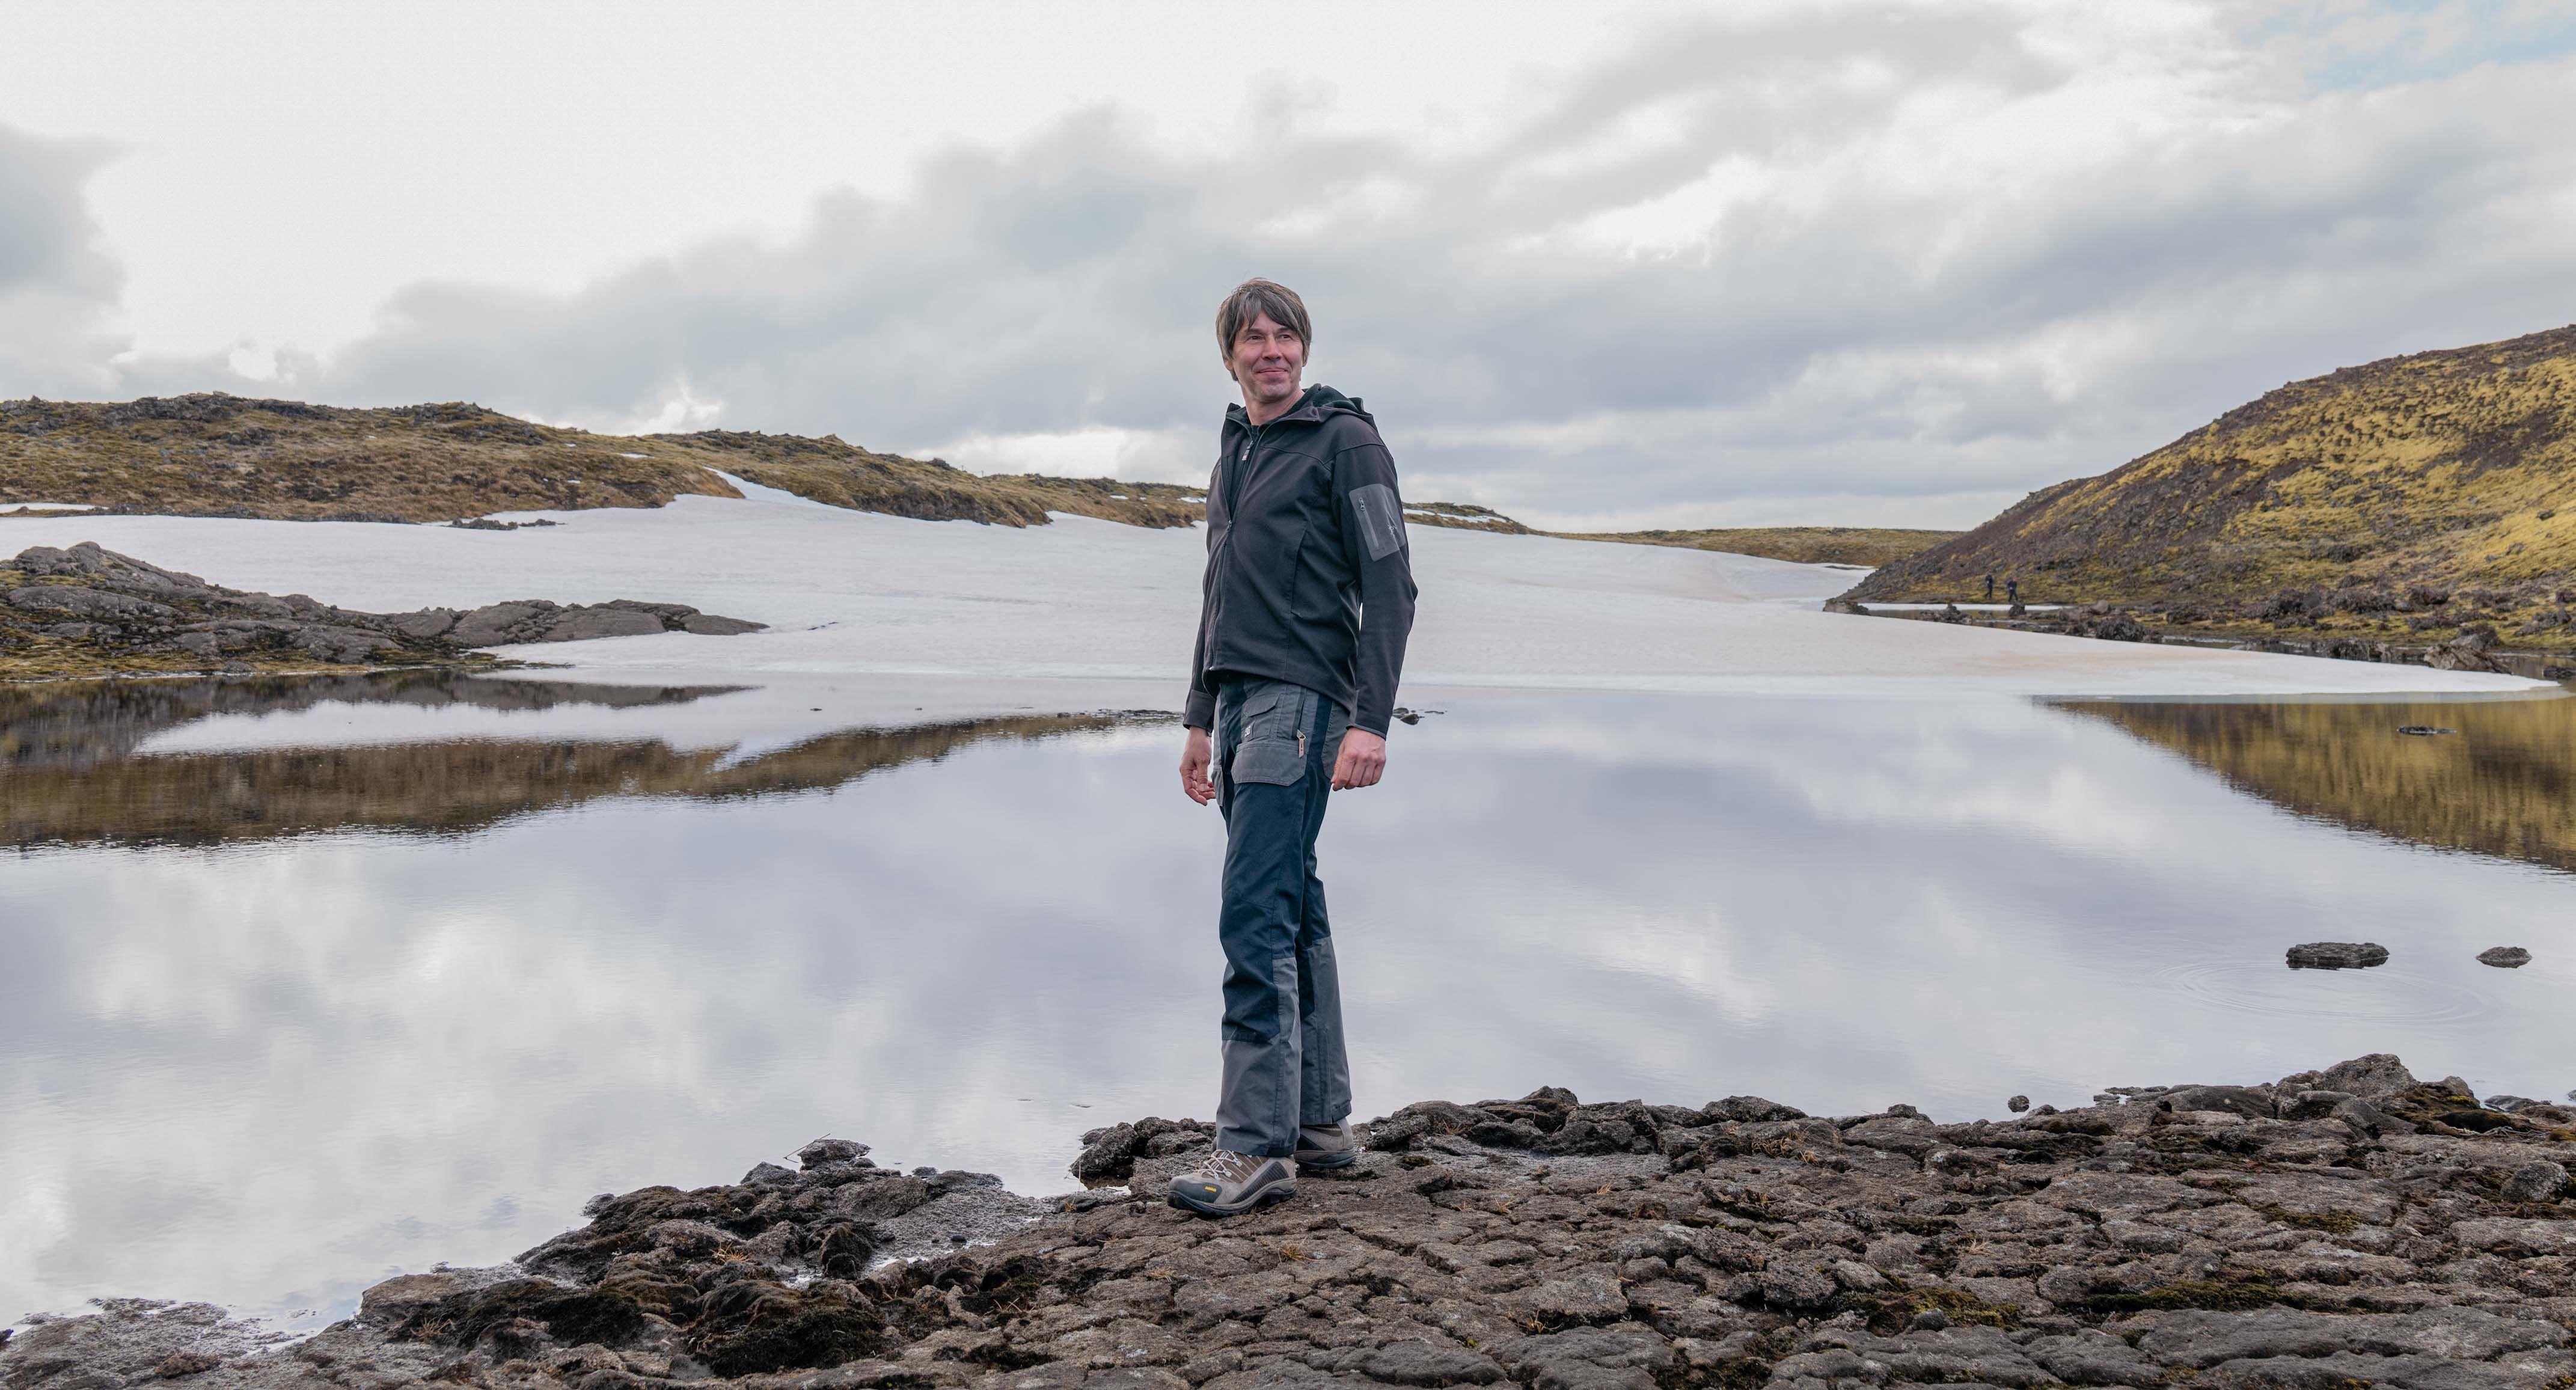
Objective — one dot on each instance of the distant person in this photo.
(1990, 588)
(1306, 604)
(2012, 590)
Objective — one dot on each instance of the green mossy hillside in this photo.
(2418, 494)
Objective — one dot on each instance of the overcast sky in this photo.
(1876, 262)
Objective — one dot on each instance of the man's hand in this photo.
(1195, 756)
(1362, 761)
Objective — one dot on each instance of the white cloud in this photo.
(1752, 267)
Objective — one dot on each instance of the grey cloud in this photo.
(1860, 329)
(57, 287)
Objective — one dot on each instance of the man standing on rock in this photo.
(1306, 604)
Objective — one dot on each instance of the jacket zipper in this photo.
(1233, 494)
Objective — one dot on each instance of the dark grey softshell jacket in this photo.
(1305, 538)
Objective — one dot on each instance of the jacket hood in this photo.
(1318, 403)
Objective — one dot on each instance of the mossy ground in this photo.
(2403, 499)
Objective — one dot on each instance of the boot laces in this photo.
(1228, 1166)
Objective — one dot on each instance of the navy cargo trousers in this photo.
(1284, 1061)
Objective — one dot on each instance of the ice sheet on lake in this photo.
(853, 593)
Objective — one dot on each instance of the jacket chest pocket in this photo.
(1272, 746)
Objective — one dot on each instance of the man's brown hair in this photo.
(1252, 299)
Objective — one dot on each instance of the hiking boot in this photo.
(1327, 1146)
(1231, 1183)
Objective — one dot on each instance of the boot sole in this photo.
(1273, 1194)
(1329, 1162)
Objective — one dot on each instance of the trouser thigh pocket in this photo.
(1273, 746)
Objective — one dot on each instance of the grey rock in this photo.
(2367, 1120)
(2345, 1370)
(2233, 1100)
(822, 1151)
(1799, 1284)
(2201, 1338)
(2311, 1105)
(585, 624)
(712, 625)
(1108, 1156)
(2537, 1181)
(1751, 1110)
(2091, 1356)
(1626, 1357)
(767, 1172)
(2516, 1236)
(1586, 1294)
(89, 603)
(2505, 957)
(2337, 955)
(1415, 1362)
(2017, 1104)
(428, 622)
(2373, 1077)
(689, 1238)
(492, 624)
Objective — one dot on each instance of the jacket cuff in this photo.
(1201, 713)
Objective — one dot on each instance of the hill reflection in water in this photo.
(75, 768)
(269, 1069)
(2502, 782)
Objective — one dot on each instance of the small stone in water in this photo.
(2337, 955)
(2017, 1104)
(2505, 957)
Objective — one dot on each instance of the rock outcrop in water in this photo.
(2333, 1230)
(87, 610)
(2337, 955)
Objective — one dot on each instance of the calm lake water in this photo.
(283, 1011)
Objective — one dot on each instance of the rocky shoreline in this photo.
(2332, 1230)
(2475, 647)
(88, 611)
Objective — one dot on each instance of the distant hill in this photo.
(219, 455)
(1870, 546)
(211, 454)
(2420, 493)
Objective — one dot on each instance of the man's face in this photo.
(1267, 361)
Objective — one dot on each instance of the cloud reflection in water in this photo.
(271, 1071)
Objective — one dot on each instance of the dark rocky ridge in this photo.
(2333, 1230)
(87, 610)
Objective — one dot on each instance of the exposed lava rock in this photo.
(2339, 1228)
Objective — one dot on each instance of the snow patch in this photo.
(858, 593)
